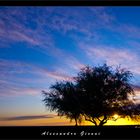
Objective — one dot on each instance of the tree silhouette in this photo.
(64, 101)
(105, 92)
(96, 94)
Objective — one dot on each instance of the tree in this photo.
(96, 94)
(104, 92)
(64, 101)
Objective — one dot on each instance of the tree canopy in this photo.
(63, 100)
(95, 95)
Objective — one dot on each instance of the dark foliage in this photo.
(64, 100)
(96, 94)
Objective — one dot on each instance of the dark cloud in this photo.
(16, 118)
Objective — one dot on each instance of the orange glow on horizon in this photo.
(57, 121)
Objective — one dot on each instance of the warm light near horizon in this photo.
(115, 116)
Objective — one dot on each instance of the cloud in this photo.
(16, 27)
(121, 29)
(74, 63)
(8, 90)
(26, 25)
(113, 55)
(137, 93)
(102, 15)
(20, 118)
(57, 19)
(128, 31)
(108, 53)
(35, 79)
(10, 67)
(56, 75)
(90, 21)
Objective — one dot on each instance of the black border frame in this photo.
(128, 132)
(75, 132)
(69, 2)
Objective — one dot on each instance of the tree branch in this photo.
(93, 121)
(103, 121)
(98, 119)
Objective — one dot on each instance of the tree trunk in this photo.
(102, 122)
(76, 124)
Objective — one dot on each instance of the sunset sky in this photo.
(42, 45)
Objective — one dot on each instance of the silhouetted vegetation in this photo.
(95, 95)
(63, 99)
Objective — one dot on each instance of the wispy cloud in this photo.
(56, 75)
(113, 56)
(18, 67)
(102, 15)
(8, 90)
(12, 82)
(16, 28)
(74, 63)
(137, 93)
(18, 118)
(128, 31)
(45, 32)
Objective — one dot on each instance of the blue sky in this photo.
(41, 45)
